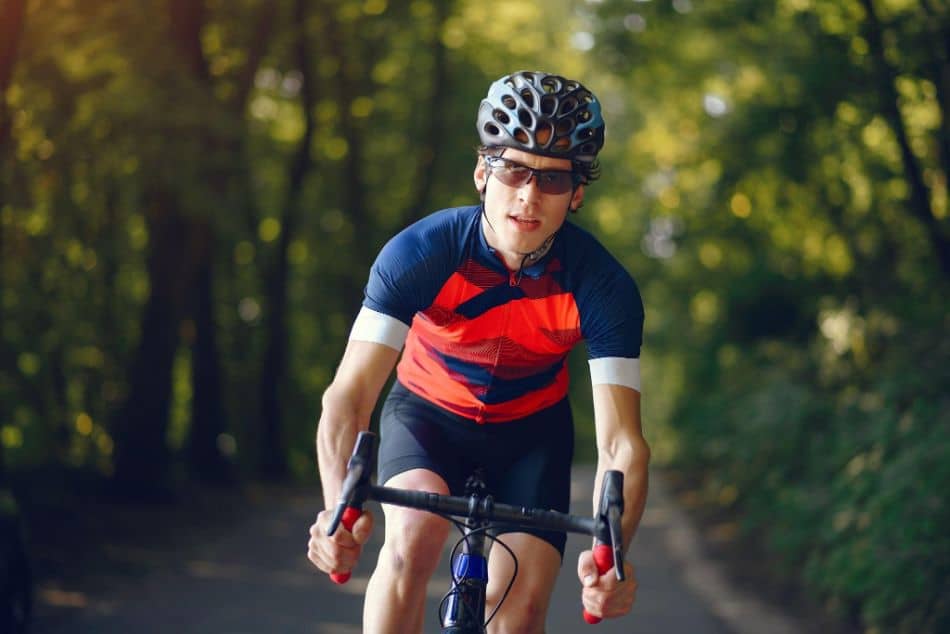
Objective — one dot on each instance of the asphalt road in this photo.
(250, 574)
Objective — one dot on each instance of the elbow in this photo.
(643, 452)
(625, 452)
(340, 410)
(331, 407)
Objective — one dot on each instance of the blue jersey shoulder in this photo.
(412, 267)
(607, 297)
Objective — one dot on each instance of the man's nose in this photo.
(530, 188)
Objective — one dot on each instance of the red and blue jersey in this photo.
(490, 344)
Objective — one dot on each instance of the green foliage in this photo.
(798, 275)
(775, 177)
(848, 476)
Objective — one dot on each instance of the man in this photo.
(488, 301)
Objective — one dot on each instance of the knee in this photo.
(414, 545)
(527, 617)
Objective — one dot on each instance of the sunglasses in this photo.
(515, 175)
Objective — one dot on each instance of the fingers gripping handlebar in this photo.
(608, 549)
(359, 470)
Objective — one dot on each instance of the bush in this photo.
(844, 468)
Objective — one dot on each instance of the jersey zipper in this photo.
(514, 279)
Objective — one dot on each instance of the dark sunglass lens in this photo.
(511, 175)
(555, 182)
(515, 175)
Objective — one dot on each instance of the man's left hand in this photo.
(603, 595)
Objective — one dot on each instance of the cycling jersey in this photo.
(491, 344)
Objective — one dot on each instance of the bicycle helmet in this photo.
(542, 114)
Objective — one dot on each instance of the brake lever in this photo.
(616, 539)
(608, 549)
(352, 495)
(359, 470)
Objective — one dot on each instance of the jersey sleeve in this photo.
(379, 328)
(409, 271)
(612, 315)
(612, 325)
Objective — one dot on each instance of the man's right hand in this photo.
(338, 554)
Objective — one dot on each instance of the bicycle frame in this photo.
(466, 601)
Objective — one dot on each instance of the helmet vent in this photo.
(544, 133)
(548, 104)
(525, 118)
(528, 97)
(562, 145)
(492, 129)
(565, 127)
(501, 116)
(550, 85)
(583, 116)
(521, 136)
(585, 134)
(567, 106)
(509, 102)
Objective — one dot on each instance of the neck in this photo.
(515, 260)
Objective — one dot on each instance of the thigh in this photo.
(416, 435)
(540, 474)
(526, 606)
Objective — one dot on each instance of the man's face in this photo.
(522, 217)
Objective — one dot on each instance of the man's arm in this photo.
(621, 446)
(347, 406)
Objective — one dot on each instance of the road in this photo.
(251, 575)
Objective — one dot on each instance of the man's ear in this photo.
(578, 198)
(481, 175)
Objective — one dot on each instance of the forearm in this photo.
(631, 457)
(340, 423)
(621, 446)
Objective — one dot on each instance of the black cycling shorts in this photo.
(526, 462)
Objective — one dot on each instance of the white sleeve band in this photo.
(379, 328)
(615, 371)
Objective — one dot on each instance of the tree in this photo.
(12, 16)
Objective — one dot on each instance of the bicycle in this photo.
(462, 610)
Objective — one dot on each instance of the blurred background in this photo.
(192, 191)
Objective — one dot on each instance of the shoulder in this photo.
(439, 234)
(589, 261)
(450, 223)
(414, 264)
(608, 300)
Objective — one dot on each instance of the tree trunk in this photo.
(209, 419)
(205, 457)
(434, 122)
(12, 18)
(919, 204)
(354, 199)
(203, 454)
(940, 75)
(273, 457)
(140, 425)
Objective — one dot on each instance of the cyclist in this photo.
(485, 302)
